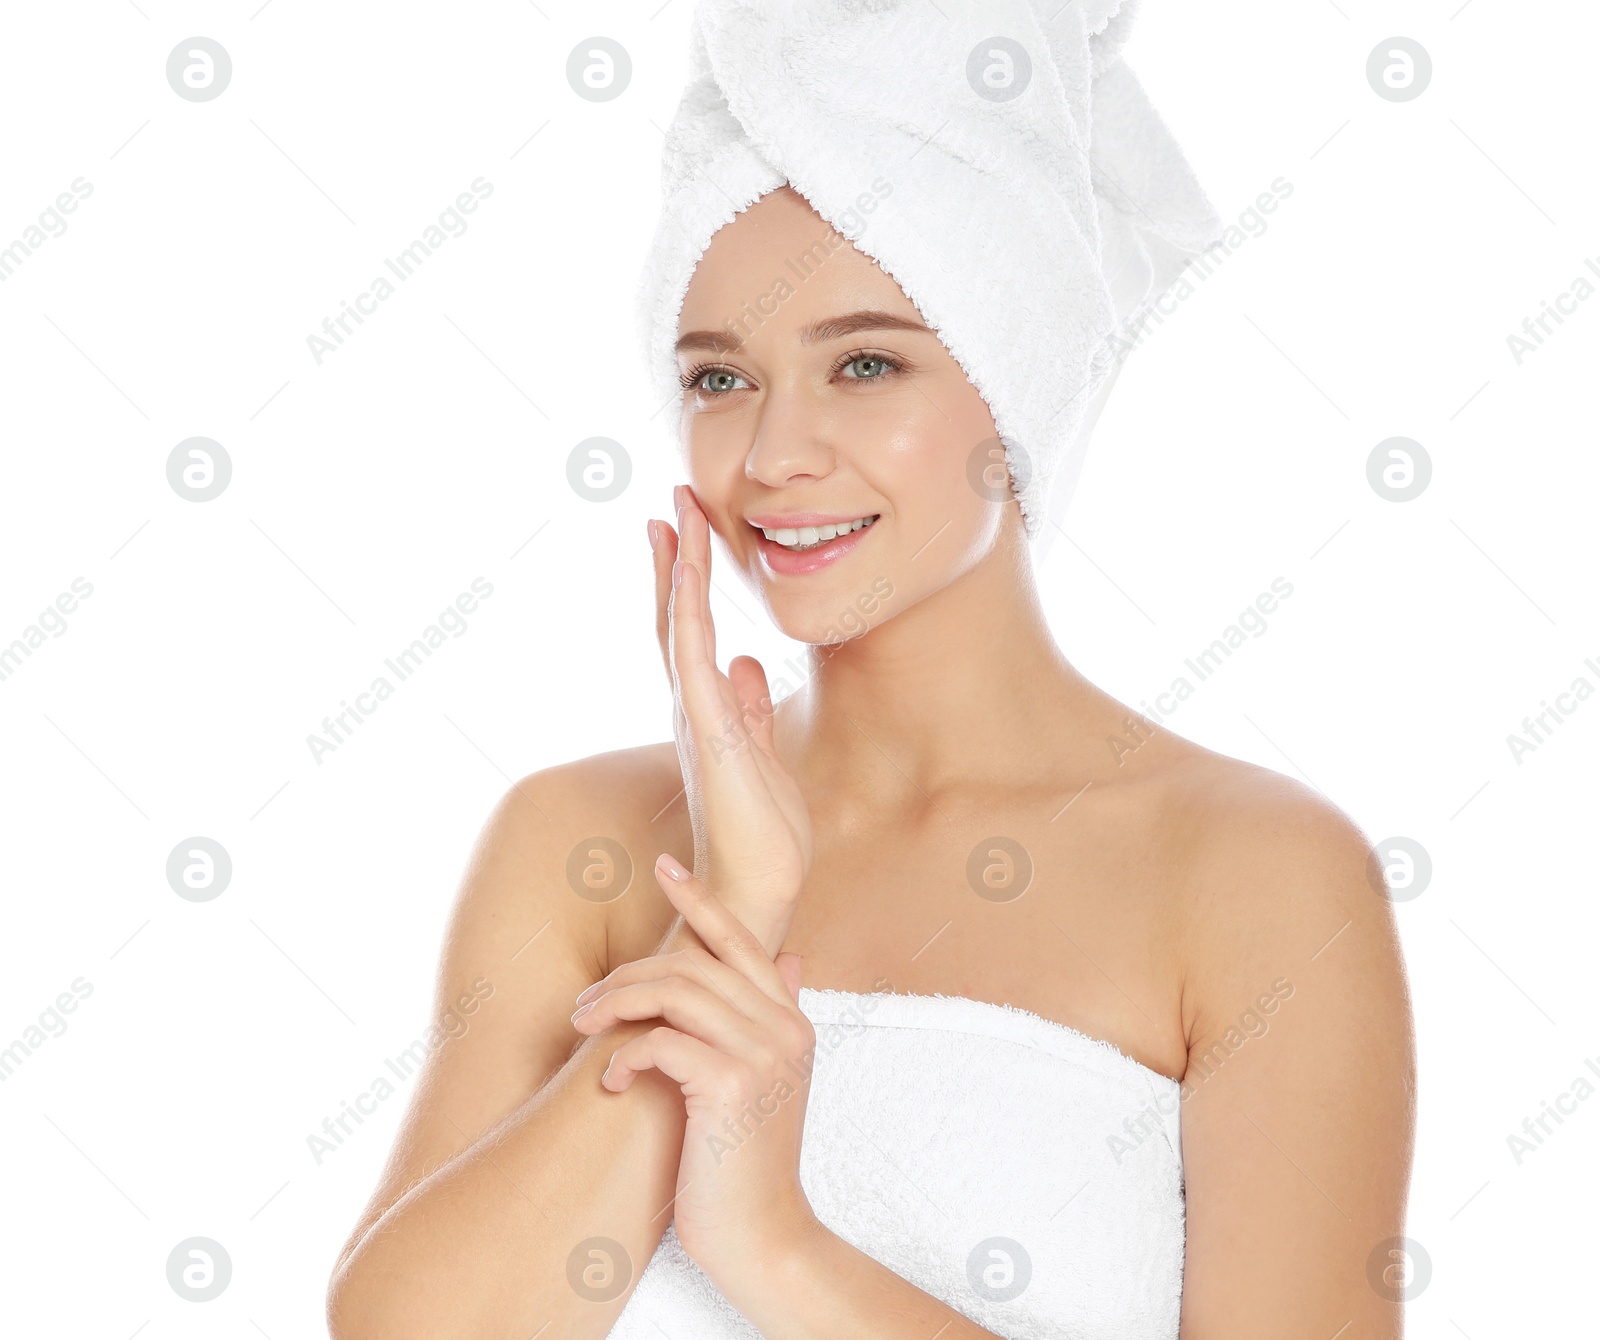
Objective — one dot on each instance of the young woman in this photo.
(1172, 889)
(919, 952)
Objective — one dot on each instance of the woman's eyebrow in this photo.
(830, 328)
(836, 326)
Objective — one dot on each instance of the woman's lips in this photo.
(788, 563)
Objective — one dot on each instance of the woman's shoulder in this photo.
(1265, 873)
(641, 764)
(553, 858)
(1242, 838)
(1248, 817)
(1253, 829)
(619, 794)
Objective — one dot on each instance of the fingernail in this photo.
(581, 1011)
(650, 530)
(669, 863)
(677, 572)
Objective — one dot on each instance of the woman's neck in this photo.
(965, 687)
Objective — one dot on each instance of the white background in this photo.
(430, 450)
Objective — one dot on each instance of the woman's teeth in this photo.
(808, 537)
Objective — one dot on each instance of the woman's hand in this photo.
(733, 1037)
(753, 841)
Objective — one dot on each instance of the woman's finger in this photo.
(728, 938)
(749, 682)
(676, 1055)
(688, 1006)
(693, 671)
(694, 964)
(663, 555)
(695, 544)
(714, 713)
(694, 638)
(690, 961)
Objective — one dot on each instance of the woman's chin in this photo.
(829, 619)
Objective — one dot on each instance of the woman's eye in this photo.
(717, 381)
(866, 368)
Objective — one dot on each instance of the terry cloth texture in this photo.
(1022, 1172)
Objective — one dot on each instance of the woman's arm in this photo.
(1298, 1108)
(498, 1172)
(520, 1193)
(823, 1288)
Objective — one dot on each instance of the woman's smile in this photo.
(805, 542)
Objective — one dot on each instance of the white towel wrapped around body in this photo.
(997, 158)
(1025, 1174)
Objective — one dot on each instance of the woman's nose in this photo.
(793, 440)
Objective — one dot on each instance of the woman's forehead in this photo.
(780, 253)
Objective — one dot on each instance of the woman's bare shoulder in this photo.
(610, 787)
(557, 848)
(1269, 879)
(575, 817)
(1226, 808)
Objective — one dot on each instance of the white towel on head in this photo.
(998, 159)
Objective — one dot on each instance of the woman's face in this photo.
(799, 410)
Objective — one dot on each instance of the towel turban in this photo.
(999, 160)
